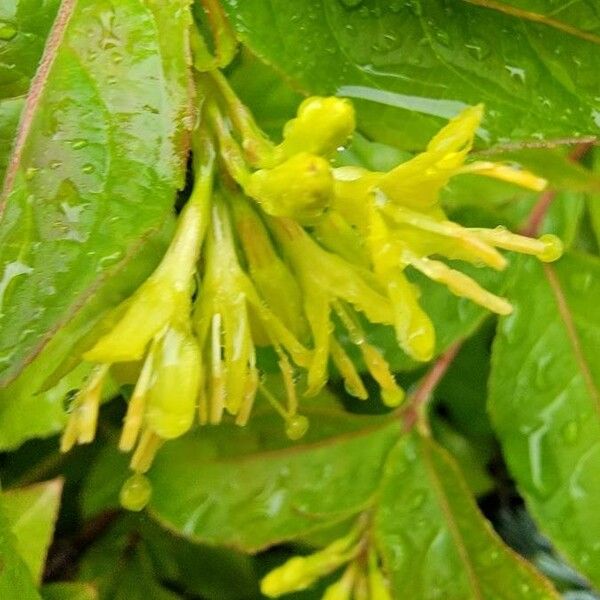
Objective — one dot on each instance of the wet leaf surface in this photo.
(546, 412)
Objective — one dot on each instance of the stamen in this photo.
(81, 427)
(459, 284)
(391, 393)
(137, 403)
(217, 375)
(343, 363)
(521, 177)
(547, 248)
(475, 246)
(145, 452)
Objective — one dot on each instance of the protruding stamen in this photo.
(81, 428)
(343, 363)
(145, 452)
(521, 177)
(252, 380)
(477, 248)
(391, 393)
(547, 248)
(459, 284)
(217, 403)
(135, 411)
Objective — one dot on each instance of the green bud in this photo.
(299, 188)
(322, 126)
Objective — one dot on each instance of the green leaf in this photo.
(594, 199)
(100, 154)
(251, 488)
(536, 74)
(434, 541)
(472, 457)
(120, 565)
(31, 513)
(69, 591)
(264, 92)
(16, 580)
(24, 27)
(545, 401)
(208, 572)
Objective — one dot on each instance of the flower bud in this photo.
(299, 188)
(322, 125)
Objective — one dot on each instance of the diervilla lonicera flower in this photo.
(276, 247)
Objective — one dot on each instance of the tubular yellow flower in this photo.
(300, 572)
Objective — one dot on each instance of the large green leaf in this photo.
(433, 57)
(31, 513)
(24, 26)
(250, 488)
(545, 400)
(434, 541)
(99, 156)
(16, 581)
(594, 199)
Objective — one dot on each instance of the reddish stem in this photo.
(539, 211)
(411, 413)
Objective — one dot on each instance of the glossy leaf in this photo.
(594, 199)
(251, 488)
(16, 580)
(24, 27)
(98, 159)
(31, 513)
(536, 74)
(545, 401)
(434, 541)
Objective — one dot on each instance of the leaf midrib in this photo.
(534, 17)
(451, 522)
(572, 335)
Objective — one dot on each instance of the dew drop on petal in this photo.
(135, 493)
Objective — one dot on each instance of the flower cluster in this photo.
(278, 248)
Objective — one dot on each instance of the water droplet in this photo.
(479, 49)
(525, 588)
(135, 493)
(581, 282)
(418, 500)
(570, 432)
(88, 168)
(78, 144)
(364, 12)
(55, 164)
(396, 6)
(7, 32)
(542, 372)
(117, 57)
(296, 427)
(517, 73)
